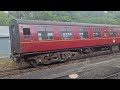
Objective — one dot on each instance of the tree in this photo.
(99, 17)
(5, 18)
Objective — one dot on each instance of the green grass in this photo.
(7, 63)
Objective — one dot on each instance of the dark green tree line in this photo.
(98, 17)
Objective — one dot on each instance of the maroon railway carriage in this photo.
(45, 41)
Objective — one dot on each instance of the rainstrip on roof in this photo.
(40, 22)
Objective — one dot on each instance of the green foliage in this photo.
(98, 17)
(100, 20)
(5, 18)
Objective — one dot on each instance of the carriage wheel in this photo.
(34, 63)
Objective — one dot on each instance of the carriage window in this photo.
(26, 33)
(112, 34)
(67, 33)
(83, 33)
(45, 35)
(96, 32)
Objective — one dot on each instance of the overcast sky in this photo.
(6, 12)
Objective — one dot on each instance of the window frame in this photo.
(26, 36)
(66, 30)
(96, 30)
(83, 30)
(113, 31)
(46, 30)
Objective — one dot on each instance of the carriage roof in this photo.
(41, 22)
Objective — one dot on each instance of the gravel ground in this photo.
(97, 73)
(86, 71)
(89, 67)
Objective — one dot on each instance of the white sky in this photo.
(105, 11)
(6, 12)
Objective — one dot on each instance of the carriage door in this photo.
(27, 38)
(105, 35)
(27, 34)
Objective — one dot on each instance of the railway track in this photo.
(98, 57)
(112, 76)
(77, 76)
